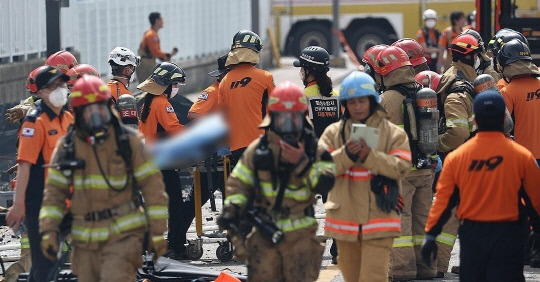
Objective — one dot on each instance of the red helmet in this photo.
(428, 79)
(465, 44)
(413, 49)
(391, 59)
(287, 97)
(370, 56)
(79, 70)
(63, 60)
(88, 90)
(31, 80)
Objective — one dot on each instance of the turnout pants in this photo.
(445, 242)
(365, 260)
(112, 261)
(491, 252)
(297, 258)
(406, 259)
(24, 263)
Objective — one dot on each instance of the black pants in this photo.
(174, 190)
(235, 156)
(41, 266)
(491, 252)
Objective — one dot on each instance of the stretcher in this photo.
(194, 251)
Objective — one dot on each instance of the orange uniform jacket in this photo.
(117, 89)
(243, 94)
(522, 97)
(161, 121)
(150, 45)
(39, 132)
(207, 100)
(484, 175)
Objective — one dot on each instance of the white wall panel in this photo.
(94, 27)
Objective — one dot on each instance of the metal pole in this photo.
(52, 10)
(335, 26)
(255, 16)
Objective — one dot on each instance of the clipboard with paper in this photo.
(369, 134)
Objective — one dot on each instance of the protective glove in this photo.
(16, 113)
(157, 245)
(429, 250)
(230, 215)
(387, 192)
(49, 245)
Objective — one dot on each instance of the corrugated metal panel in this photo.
(94, 27)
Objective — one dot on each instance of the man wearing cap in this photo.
(207, 100)
(40, 130)
(484, 178)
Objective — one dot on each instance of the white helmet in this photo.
(429, 14)
(123, 56)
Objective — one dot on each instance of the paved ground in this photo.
(329, 272)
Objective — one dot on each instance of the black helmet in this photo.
(166, 74)
(314, 57)
(477, 36)
(246, 39)
(221, 67)
(502, 36)
(47, 75)
(512, 51)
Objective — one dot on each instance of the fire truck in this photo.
(301, 23)
(519, 15)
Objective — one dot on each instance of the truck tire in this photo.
(366, 37)
(312, 34)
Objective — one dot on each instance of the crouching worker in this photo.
(273, 186)
(362, 211)
(105, 163)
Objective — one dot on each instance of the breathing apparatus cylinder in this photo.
(486, 82)
(127, 108)
(427, 116)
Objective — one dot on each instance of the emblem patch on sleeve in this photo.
(203, 96)
(170, 109)
(27, 132)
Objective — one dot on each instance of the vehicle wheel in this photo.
(310, 35)
(365, 38)
(224, 251)
(193, 253)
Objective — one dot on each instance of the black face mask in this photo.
(95, 127)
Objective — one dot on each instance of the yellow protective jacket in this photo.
(392, 102)
(351, 208)
(458, 106)
(91, 193)
(299, 195)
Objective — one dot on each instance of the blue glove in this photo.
(429, 250)
(439, 164)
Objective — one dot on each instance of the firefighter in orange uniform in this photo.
(39, 133)
(485, 178)
(428, 37)
(243, 93)
(159, 121)
(208, 99)
(362, 208)
(123, 63)
(149, 49)
(108, 170)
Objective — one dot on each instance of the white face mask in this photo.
(58, 97)
(476, 63)
(431, 23)
(174, 91)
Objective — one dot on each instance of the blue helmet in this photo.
(358, 84)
